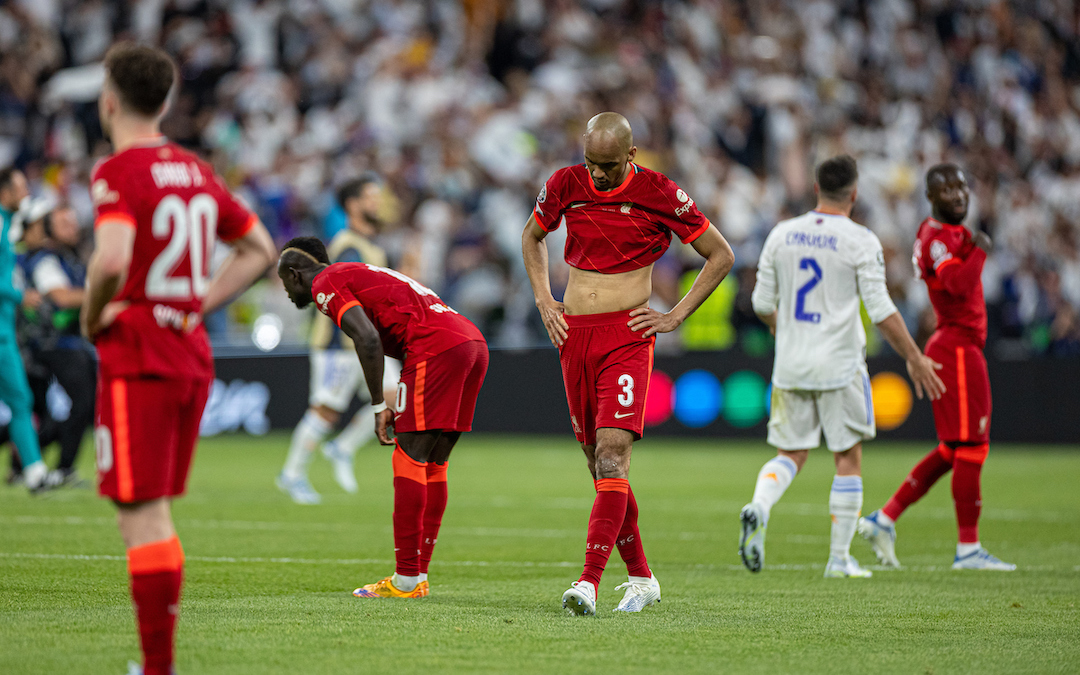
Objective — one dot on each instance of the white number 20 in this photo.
(626, 398)
(191, 228)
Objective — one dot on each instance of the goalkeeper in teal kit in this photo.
(14, 389)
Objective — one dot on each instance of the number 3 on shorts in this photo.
(626, 398)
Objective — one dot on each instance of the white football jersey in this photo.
(812, 272)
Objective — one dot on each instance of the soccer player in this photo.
(950, 260)
(444, 360)
(14, 387)
(811, 275)
(159, 210)
(619, 220)
(335, 372)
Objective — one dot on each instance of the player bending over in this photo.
(812, 273)
(619, 220)
(950, 260)
(335, 373)
(159, 211)
(444, 360)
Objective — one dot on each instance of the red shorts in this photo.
(145, 432)
(606, 369)
(440, 392)
(963, 413)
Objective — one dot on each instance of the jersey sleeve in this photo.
(234, 219)
(48, 275)
(682, 214)
(551, 202)
(332, 297)
(955, 260)
(870, 276)
(106, 192)
(764, 298)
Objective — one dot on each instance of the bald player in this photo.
(619, 220)
(949, 258)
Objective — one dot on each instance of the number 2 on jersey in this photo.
(191, 228)
(800, 296)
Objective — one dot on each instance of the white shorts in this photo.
(336, 376)
(846, 415)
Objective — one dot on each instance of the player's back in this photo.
(178, 209)
(814, 262)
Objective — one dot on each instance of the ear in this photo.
(854, 195)
(632, 154)
(817, 191)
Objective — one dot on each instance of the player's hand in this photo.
(384, 426)
(921, 370)
(983, 241)
(552, 314)
(652, 321)
(31, 299)
(92, 326)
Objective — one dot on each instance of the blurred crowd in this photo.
(465, 108)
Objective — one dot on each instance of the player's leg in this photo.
(328, 396)
(437, 495)
(15, 392)
(793, 426)
(410, 459)
(76, 373)
(845, 504)
(970, 454)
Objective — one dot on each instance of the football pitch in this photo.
(268, 582)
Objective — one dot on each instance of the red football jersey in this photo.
(178, 209)
(411, 319)
(946, 258)
(619, 230)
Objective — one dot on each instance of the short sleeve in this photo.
(945, 249)
(682, 215)
(551, 202)
(234, 219)
(331, 297)
(106, 192)
(48, 275)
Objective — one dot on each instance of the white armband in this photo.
(379, 408)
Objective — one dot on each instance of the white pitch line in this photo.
(488, 563)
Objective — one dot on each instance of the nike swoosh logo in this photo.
(619, 416)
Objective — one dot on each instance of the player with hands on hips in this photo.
(619, 218)
(812, 274)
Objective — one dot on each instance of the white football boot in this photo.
(298, 488)
(580, 599)
(981, 560)
(882, 539)
(343, 466)
(640, 593)
(35, 476)
(752, 537)
(840, 568)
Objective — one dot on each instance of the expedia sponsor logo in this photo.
(101, 194)
(323, 301)
(682, 196)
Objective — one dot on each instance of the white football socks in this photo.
(359, 431)
(404, 584)
(845, 503)
(773, 479)
(967, 549)
(311, 431)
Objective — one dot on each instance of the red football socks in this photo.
(410, 498)
(967, 495)
(629, 540)
(920, 480)
(605, 521)
(157, 572)
(433, 512)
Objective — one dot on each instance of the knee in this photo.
(612, 460)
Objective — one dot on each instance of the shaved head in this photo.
(301, 259)
(609, 149)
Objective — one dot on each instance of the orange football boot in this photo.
(384, 588)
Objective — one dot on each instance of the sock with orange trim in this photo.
(967, 491)
(927, 472)
(608, 514)
(773, 480)
(157, 573)
(629, 540)
(410, 498)
(433, 511)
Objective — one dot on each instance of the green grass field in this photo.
(268, 583)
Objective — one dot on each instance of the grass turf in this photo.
(268, 582)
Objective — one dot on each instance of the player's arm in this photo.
(252, 254)
(870, 276)
(114, 240)
(719, 259)
(764, 299)
(958, 275)
(51, 281)
(534, 250)
(369, 350)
